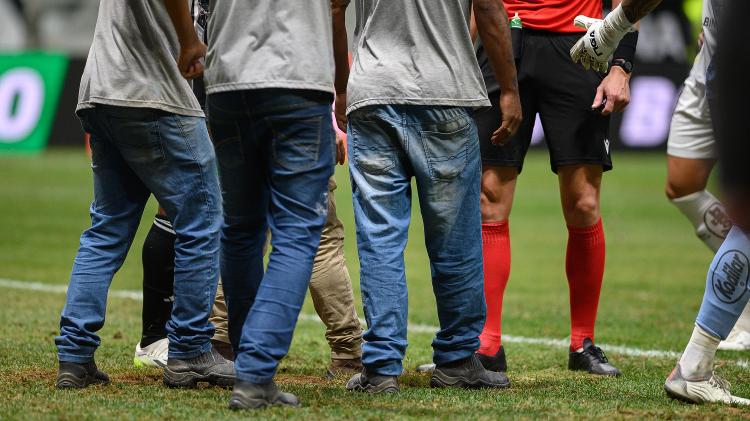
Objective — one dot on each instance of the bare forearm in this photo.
(492, 25)
(635, 10)
(179, 14)
(340, 45)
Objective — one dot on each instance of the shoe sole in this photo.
(439, 379)
(374, 390)
(239, 404)
(69, 381)
(144, 361)
(190, 379)
(585, 370)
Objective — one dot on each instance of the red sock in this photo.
(584, 265)
(496, 252)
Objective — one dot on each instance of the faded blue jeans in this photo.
(439, 148)
(137, 152)
(275, 149)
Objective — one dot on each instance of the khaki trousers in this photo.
(330, 288)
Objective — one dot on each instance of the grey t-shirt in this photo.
(132, 60)
(270, 44)
(414, 52)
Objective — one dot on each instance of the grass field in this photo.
(653, 286)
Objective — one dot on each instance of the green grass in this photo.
(653, 286)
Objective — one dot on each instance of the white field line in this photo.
(414, 328)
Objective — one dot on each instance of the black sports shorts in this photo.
(561, 92)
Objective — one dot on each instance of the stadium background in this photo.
(653, 283)
(43, 47)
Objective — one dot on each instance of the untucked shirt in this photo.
(270, 44)
(132, 60)
(553, 15)
(414, 52)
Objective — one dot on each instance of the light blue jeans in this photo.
(439, 148)
(137, 152)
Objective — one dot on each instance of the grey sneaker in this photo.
(256, 396)
(468, 374)
(372, 383)
(77, 376)
(208, 367)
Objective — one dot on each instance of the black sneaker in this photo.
(496, 363)
(208, 367)
(592, 360)
(468, 374)
(372, 383)
(256, 396)
(77, 376)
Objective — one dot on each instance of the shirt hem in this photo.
(277, 84)
(450, 102)
(130, 103)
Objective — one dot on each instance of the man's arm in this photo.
(613, 94)
(492, 25)
(341, 59)
(635, 10)
(192, 50)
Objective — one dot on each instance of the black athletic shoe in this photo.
(208, 367)
(592, 360)
(372, 383)
(77, 376)
(256, 396)
(468, 374)
(496, 363)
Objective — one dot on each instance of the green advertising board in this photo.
(30, 85)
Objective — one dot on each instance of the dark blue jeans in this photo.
(275, 149)
(438, 147)
(137, 152)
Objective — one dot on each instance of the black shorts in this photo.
(562, 93)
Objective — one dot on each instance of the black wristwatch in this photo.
(625, 65)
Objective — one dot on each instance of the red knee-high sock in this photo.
(496, 252)
(584, 265)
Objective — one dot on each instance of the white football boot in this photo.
(154, 355)
(738, 340)
(712, 389)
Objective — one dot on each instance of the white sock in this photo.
(707, 215)
(697, 362)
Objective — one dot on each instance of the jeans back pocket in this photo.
(372, 146)
(447, 149)
(296, 142)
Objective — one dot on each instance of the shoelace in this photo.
(718, 382)
(598, 353)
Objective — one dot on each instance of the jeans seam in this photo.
(206, 207)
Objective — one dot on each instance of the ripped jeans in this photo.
(275, 149)
(439, 148)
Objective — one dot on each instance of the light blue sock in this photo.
(726, 285)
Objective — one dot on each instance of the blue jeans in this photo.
(275, 152)
(137, 152)
(438, 146)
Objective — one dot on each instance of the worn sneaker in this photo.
(711, 389)
(468, 374)
(223, 348)
(153, 355)
(208, 367)
(372, 383)
(343, 367)
(592, 360)
(738, 340)
(496, 362)
(77, 376)
(256, 396)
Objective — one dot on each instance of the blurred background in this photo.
(44, 43)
